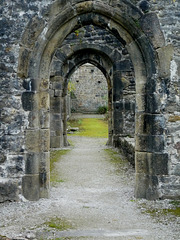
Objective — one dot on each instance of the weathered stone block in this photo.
(152, 191)
(44, 85)
(30, 187)
(118, 86)
(141, 185)
(33, 119)
(60, 55)
(56, 142)
(32, 163)
(44, 119)
(57, 85)
(44, 159)
(153, 124)
(29, 101)
(158, 164)
(33, 30)
(140, 102)
(150, 25)
(141, 162)
(24, 56)
(146, 186)
(154, 103)
(44, 140)
(149, 143)
(44, 100)
(44, 178)
(32, 140)
(165, 55)
(56, 125)
(9, 191)
(55, 104)
(58, 93)
(84, 7)
(152, 163)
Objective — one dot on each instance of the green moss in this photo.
(90, 127)
(161, 212)
(59, 224)
(54, 158)
(114, 157)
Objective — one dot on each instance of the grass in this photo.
(59, 224)
(170, 213)
(90, 127)
(160, 212)
(54, 158)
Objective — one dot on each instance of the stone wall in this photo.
(90, 89)
(32, 33)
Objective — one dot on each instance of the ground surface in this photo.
(93, 200)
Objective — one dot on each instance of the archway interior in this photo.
(95, 45)
(88, 90)
(119, 76)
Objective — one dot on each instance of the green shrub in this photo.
(102, 110)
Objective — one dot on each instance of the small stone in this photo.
(30, 236)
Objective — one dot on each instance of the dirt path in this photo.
(93, 201)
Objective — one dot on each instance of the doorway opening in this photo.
(88, 90)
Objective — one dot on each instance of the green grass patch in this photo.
(161, 212)
(55, 157)
(90, 127)
(59, 224)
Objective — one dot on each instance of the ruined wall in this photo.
(168, 13)
(90, 89)
(21, 22)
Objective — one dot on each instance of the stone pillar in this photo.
(56, 121)
(30, 182)
(150, 160)
(35, 183)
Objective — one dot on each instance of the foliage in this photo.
(102, 110)
(71, 87)
(76, 33)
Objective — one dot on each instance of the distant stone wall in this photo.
(90, 89)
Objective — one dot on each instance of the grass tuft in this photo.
(59, 224)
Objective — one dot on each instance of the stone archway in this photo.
(98, 59)
(125, 24)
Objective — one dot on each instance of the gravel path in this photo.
(95, 199)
